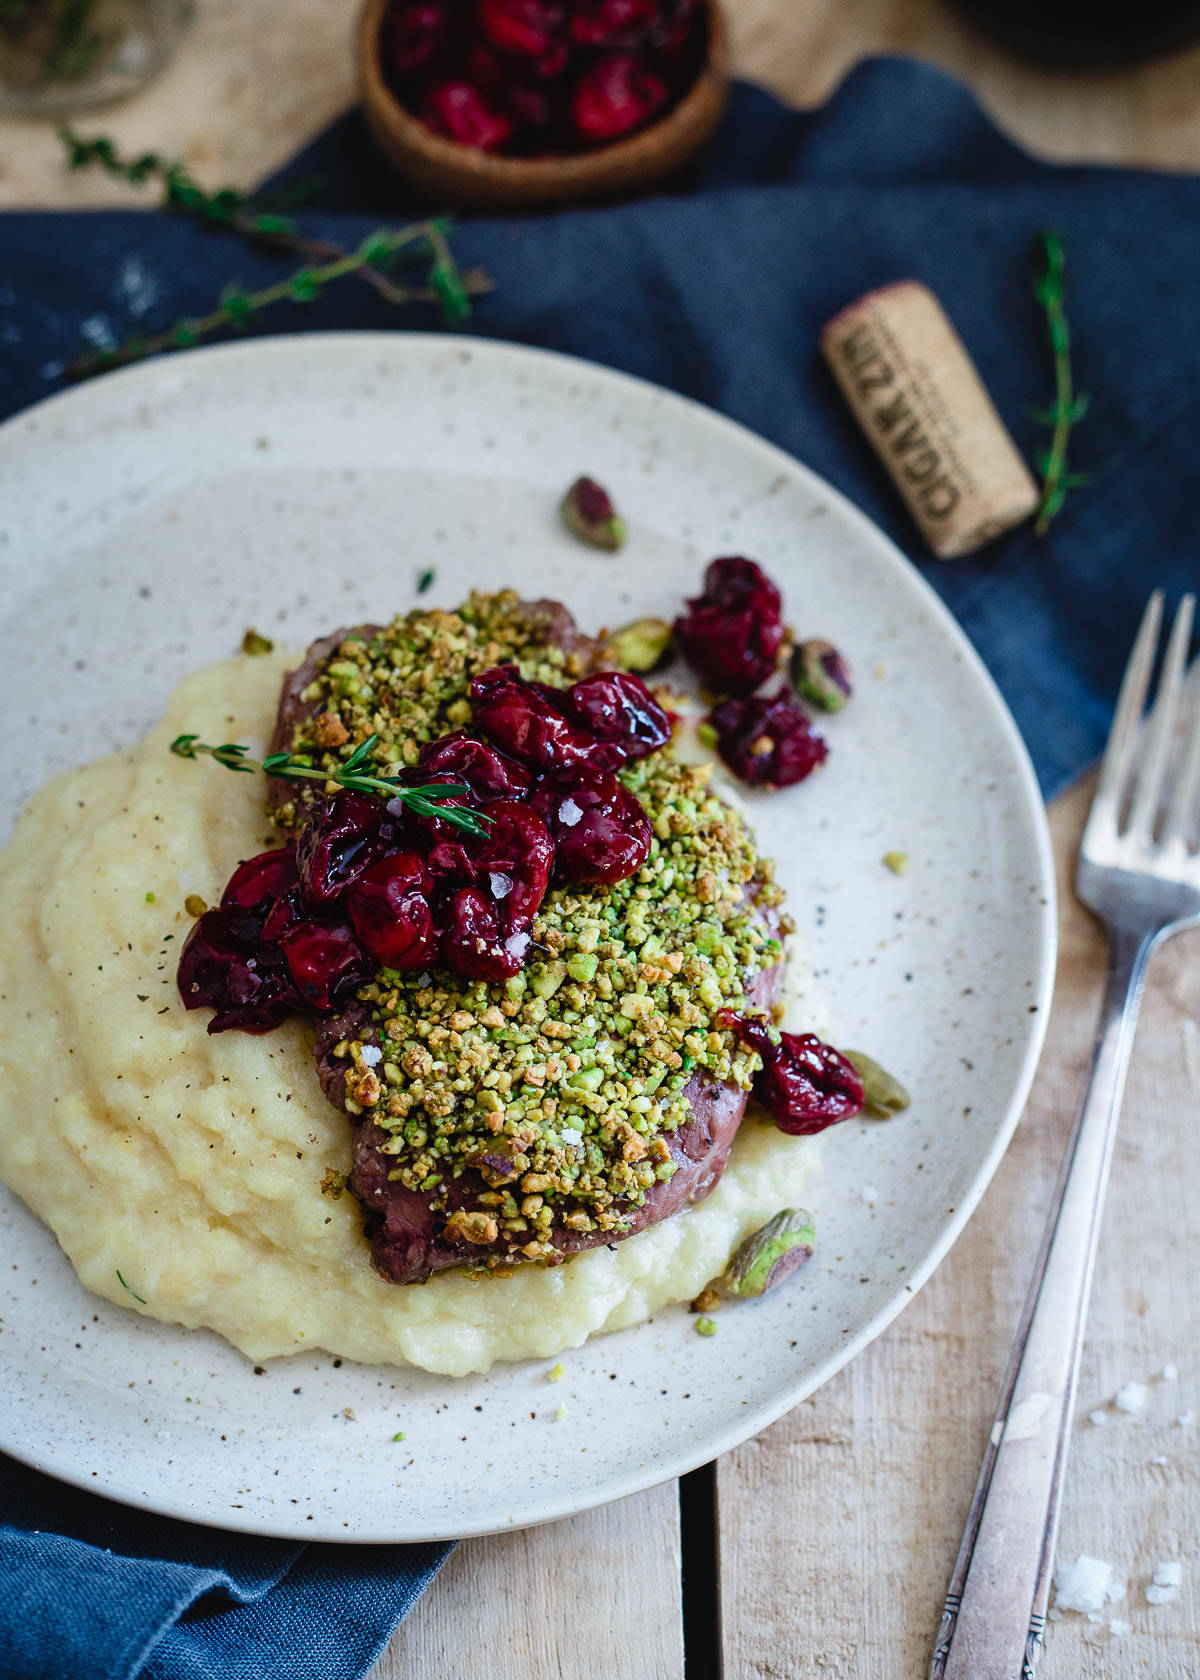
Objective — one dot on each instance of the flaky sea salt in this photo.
(501, 883)
(1098, 1418)
(372, 1055)
(1087, 1585)
(569, 813)
(1185, 1420)
(869, 1194)
(1131, 1398)
(570, 1135)
(1170, 1373)
(1168, 1578)
(1118, 1628)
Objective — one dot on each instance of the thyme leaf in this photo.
(1069, 406)
(132, 1292)
(360, 773)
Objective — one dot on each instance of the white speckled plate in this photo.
(298, 483)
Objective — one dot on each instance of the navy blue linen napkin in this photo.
(718, 291)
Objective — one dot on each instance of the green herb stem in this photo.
(248, 215)
(359, 774)
(1068, 407)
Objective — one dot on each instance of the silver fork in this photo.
(1139, 873)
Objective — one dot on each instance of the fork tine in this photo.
(1122, 737)
(1160, 730)
(1181, 812)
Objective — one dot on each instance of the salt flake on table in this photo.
(1169, 1373)
(1168, 1578)
(1098, 1418)
(1186, 1419)
(1118, 1628)
(1086, 1585)
(1131, 1398)
(869, 1194)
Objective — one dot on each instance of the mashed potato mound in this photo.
(193, 1165)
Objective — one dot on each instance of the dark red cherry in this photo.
(477, 764)
(768, 740)
(413, 36)
(473, 942)
(260, 878)
(389, 909)
(614, 96)
(524, 28)
(520, 720)
(805, 1084)
(601, 833)
(341, 837)
(617, 709)
(612, 23)
(730, 634)
(325, 962)
(513, 863)
(461, 112)
(246, 987)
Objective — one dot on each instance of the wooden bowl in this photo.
(462, 177)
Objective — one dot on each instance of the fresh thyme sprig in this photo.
(447, 285)
(1069, 406)
(361, 773)
(257, 217)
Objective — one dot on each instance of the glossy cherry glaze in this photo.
(805, 1084)
(372, 884)
(731, 634)
(600, 832)
(389, 909)
(768, 740)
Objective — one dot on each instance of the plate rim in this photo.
(1032, 811)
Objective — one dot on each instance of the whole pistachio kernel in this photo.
(588, 513)
(883, 1095)
(765, 1258)
(641, 646)
(820, 675)
(255, 643)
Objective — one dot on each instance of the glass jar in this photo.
(61, 56)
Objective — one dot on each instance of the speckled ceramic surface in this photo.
(299, 483)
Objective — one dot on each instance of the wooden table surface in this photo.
(822, 1548)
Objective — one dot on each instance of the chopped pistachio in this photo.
(588, 513)
(194, 905)
(767, 1256)
(641, 646)
(254, 643)
(707, 1301)
(897, 862)
(883, 1095)
(706, 1326)
(820, 675)
(151, 898)
(556, 1373)
(399, 1436)
(561, 1413)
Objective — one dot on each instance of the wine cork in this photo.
(916, 394)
